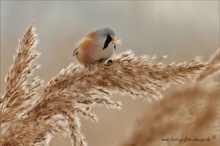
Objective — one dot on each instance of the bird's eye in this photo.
(107, 41)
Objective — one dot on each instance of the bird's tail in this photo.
(75, 52)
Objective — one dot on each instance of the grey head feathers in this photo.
(105, 35)
(105, 32)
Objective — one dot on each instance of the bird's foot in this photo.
(109, 62)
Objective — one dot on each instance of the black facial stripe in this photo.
(107, 41)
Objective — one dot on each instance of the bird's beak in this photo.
(114, 40)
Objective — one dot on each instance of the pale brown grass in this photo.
(31, 119)
(186, 111)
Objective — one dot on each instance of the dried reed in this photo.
(20, 92)
(187, 115)
(31, 119)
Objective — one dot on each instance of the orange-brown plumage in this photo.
(85, 43)
(91, 35)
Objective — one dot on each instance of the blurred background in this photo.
(179, 29)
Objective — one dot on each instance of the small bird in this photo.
(96, 46)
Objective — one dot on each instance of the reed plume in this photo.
(187, 115)
(28, 118)
(19, 92)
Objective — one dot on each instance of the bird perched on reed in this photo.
(97, 46)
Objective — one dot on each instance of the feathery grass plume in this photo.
(138, 76)
(75, 90)
(20, 93)
(188, 111)
(213, 67)
(79, 88)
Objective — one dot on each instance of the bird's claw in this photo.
(109, 62)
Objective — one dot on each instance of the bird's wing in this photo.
(86, 43)
(83, 45)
